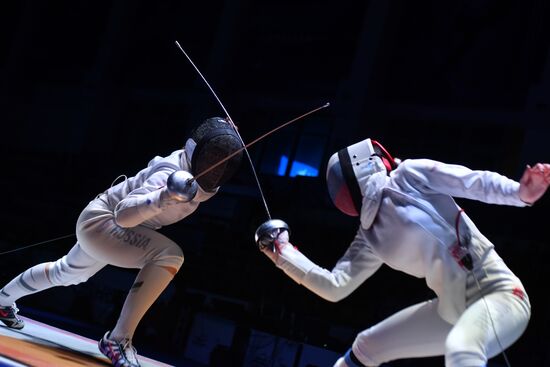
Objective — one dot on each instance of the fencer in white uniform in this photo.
(119, 226)
(410, 222)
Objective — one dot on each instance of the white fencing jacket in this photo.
(408, 222)
(137, 200)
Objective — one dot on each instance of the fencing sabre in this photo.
(271, 227)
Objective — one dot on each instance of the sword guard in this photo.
(268, 231)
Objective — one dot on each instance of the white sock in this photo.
(149, 284)
(28, 282)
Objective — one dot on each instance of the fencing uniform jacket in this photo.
(409, 221)
(137, 200)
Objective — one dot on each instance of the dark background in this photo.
(90, 90)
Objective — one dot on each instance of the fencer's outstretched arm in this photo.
(357, 264)
(431, 176)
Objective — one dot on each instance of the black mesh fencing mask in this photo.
(210, 142)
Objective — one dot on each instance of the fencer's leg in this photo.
(149, 284)
(30, 281)
(158, 257)
(416, 331)
(488, 326)
(73, 268)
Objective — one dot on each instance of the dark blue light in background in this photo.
(290, 154)
(283, 164)
(297, 169)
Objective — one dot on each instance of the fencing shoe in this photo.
(121, 353)
(8, 315)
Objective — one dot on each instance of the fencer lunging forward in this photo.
(119, 228)
(410, 221)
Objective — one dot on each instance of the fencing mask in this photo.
(350, 168)
(210, 142)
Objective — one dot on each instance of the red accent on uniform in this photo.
(518, 292)
(387, 164)
(387, 158)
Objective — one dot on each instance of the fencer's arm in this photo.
(357, 264)
(142, 203)
(458, 181)
(146, 201)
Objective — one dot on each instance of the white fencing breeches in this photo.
(101, 238)
(419, 331)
